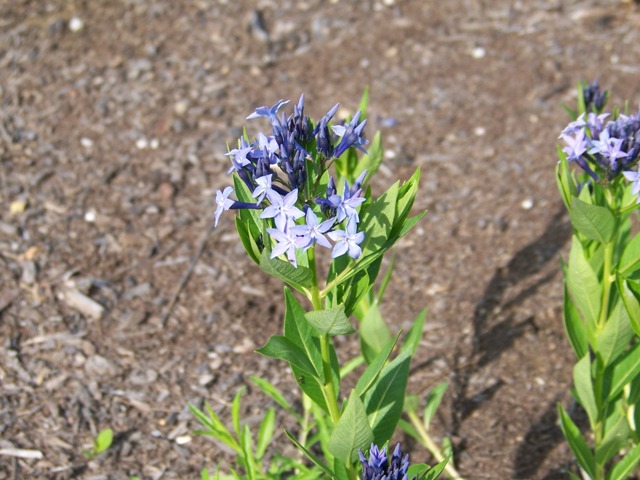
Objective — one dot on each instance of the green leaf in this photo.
(374, 334)
(284, 349)
(584, 388)
(584, 287)
(624, 468)
(247, 450)
(330, 322)
(301, 332)
(378, 220)
(574, 327)
(370, 375)
(372, 161)
(624, 371)
(615, 438)
(265, 433)
(364, 103)
(577, 444)
(352, 432)
(630, 301)
(564, 179)
(309, 455)
(385, 400)
(434, 397)
(272, 392)
(299, 277)
(436, 470)
(235, 411)
(385, 279)
(413, 338)
(215, 428)
(630, 259)
(103, 441)
(615, 336)
(593, 221)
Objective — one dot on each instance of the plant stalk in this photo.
(429, 444)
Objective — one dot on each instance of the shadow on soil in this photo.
(490, 342)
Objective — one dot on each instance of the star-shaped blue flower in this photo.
(348, 240)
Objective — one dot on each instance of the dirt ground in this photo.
(113, 129)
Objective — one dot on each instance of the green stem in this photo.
(429, 444)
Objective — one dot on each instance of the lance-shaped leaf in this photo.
(566, 183)
(630, 259)
(309, 455)
(625, 467)
(584, 388)
(626, 369)
(332, 321)
(352, 432)
(385, 400)
(574, 327)
(370, 375)
(583, 284)
(615, 336)
(413, 338)
(284, 349)
(374, 333)
(630, 301)
(615, 439)
(577, 444)
(298, 277)
(593, 221)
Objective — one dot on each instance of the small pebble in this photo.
(142, 143)
(90, 216)
(527, 204)
(76, 24)
(86, 142)
(479, 131)
(181, 107)
(478, 52)
(390, 154)
(154, 143)
(183, 439)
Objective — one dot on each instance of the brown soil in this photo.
(112, 142)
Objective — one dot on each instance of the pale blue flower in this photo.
(346, 204)
(576, 145)
(222, 203)
(634, 178)
(287, 244)
(270, 113)
(351, 136)
(348, 240)
(313, 231)
(609, 147)
(282, 209)
(263, 185)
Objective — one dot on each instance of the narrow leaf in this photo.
(630, 301)
(370, 375)
(577, 444)
(374, 334)
(574, 327)
(623, 469)
(385, 400)
(413, 338)
(265, 434)
(615, 336)
(584, 287)
(309, 455)
(434, 398)
(584, 388)
(624, 371)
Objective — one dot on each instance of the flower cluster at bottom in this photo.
(276, 169)
(378, 466)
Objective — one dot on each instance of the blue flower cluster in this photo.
(378, 466)
(604, 150)
(275, 169)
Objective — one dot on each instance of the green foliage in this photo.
(101, 443)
